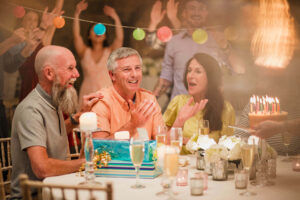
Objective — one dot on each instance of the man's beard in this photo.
(64, 98)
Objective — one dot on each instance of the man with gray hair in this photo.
(39, 144)
(125, 106)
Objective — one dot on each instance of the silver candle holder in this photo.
(219, 170)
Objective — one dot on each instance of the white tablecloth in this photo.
(287, 187)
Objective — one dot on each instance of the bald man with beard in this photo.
(39, 143)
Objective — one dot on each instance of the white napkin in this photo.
(122, 135)
(143, 134)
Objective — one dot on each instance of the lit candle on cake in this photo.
(277, 105)
(265, 108)
(88, 121)
(252, 104)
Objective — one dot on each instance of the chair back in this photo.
(5, 168)
(48, 191)
(75, 152)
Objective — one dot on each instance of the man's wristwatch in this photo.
(73, 121)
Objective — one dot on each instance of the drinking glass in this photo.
(286, 139)
(247, 159)
(137, 149)
(171, 166)
(176, 138)
(203, 127)
(161, 135)
(89, 156)
(161, 149)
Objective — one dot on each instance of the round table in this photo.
(287, 186)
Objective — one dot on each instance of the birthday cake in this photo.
(265, 108)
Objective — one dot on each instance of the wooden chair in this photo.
(5, 168)
(75, 134)
(28, 186)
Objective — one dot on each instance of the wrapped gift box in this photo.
(119, 149)
(120, 164)
(127, 169)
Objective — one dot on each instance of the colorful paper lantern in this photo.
(200, 36)
(99, 29)
(59, 22)
(19, 11)
(164, 34)
(139, 34)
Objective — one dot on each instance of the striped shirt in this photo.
(276, 141)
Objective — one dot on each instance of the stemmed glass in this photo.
(161, 147)
(161, 135)
(89, 156)
(171, 166)
(247, 159)
(203, 127)
(286, 138)
(137, 149)
(176, 138)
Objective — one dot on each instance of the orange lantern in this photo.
(59, 22)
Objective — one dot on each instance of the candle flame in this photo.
(274, 40)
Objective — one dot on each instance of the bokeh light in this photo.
(139, 34)
(200, 36)
(19, 11)
(99, 29)
(59, 22)
(164, 34)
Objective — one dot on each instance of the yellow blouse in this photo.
(191, 125)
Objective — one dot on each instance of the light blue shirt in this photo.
(178, 51)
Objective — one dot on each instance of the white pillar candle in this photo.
(88, 121)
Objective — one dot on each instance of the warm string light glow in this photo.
(274, 40)
(264, 105)
(164, 33)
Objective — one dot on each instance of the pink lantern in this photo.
(19, 11)
(164, 34)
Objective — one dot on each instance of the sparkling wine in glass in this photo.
(137, 156)
(286, 139)
(161, 136)
(176, 138)
(171, 166)
(203, 127)
(247, 153)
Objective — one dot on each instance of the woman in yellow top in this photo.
(204, 101)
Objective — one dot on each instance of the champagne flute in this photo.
(176, 138)
(203, 127)
(247, 152)
(286, 139)
(161, 150)
(171, 166)
(161, 136)
(137, 149)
